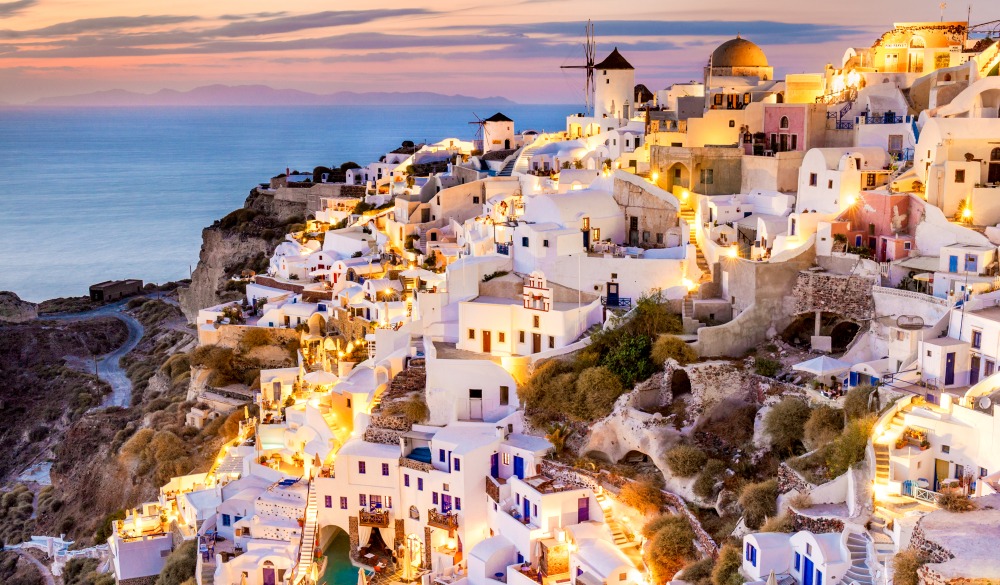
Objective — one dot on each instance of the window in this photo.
(977, 339)
(375, 501)
(472, 333)
(622, 576)
(798, 561)
(361, 499)
(659, 238)
(545, 243)
(906, 245)
(504, 395)
(327, 501)
(732, 123)
(945, 448)
(989, 368)
(829, 184)
(434, 497)
(505, 458)
(959, 175)
(783, 123)
(458, 464)
(520, 336)
(441, 455)
(795, 141)
(444, 487)
(385, 469)
(536, 321)
(420, 484)
(475, 199)
(458, 503)
(812, 179)
(518, 499)
(524, 241)
(226, 520)
(406, 479)
(707, 176)
(343, 503)
(983, 472)
(361, 466)
(501, 336)
(751, 554)
(552, 342)
(348, 403)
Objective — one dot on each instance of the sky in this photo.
(509, 48)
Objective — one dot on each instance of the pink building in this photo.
(785, 128)
(884, 223)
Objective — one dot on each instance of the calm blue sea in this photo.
(97, 194)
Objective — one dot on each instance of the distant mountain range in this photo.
(259, 95)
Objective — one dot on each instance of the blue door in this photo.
(583, 510)
(519, 467)
(949, 369)
(807, 572)
(445, 503)
(495, 466)
(527, 509)
(952, 263)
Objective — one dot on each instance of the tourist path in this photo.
(45, 572)
(109, 365)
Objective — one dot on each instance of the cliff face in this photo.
(14, 310)
(242, 240)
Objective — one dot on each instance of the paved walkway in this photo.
(108, 366)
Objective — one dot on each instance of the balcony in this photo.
(415, 465)
(447, 521)
(376, 518)
(493, 488)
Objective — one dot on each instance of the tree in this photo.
(671, 548)
(558, 434)
(671, 347)
(785, 423)
(727, 566)
(629, 359)
(180, 564)
(849, 447)
(824, 425)
(685, 460)
(759, 501)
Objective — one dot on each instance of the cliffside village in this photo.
(858, 206)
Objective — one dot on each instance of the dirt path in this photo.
(46, 573)
(108, 366)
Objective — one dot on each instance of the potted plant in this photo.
(901, 442)
(925, 444)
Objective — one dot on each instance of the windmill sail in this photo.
(590, 57)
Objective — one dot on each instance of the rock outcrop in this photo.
(243, 239)
(14, 310)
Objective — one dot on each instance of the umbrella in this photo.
(321, 377)
(822, 366)
(771, 579)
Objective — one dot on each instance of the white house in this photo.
(831, 179)
(811, 559)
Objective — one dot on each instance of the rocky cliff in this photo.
(14, 310)
(244, 239)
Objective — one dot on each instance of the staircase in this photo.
(522, 163)
(308, 542)
(859, 572)
(207, 573)
(881, 464)
(687, 214)
(879, 532)
(616, 528)
(508, 169)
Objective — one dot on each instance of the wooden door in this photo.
(536, 342)
(487, 341)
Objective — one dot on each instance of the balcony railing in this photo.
(414, 464)
(622, 303)
(377, 518)
(493, 489)
(446, 521)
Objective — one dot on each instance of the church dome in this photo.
(739, 52)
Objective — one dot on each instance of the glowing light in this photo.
(851, 200)
(732, 252)
(655, 177)
(685, 195)
(966, 213)
(689, 284)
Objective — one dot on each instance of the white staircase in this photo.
(523, 162)
(308, 542)
(859, 572)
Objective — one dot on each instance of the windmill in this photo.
(480, 131)
(590, 57)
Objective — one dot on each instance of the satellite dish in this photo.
(985, 403)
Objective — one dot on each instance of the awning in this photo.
(822, 366)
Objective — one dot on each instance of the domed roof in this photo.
(739, 52)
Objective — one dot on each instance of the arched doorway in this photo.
(993, 173)
(677, 175)
(680, 384)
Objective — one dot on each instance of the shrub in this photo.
(782, 523)
(699, 572)
(180, 565)
(685, 460)
(671, 347)
(629, 359)
(766, 367)
(906, 564)
(558, 434)
(597, 389)
(856, 401)
(824, 425)
(759, 501)
(256, 337)
(649, 529)
(731, 421)
(956, 502)
(671, 548)
(413, 409)
(849, 447)
(727, 566)
(712, 474)
(785, 423)
(643, 496)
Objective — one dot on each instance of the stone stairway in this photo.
(881, 464)
(616, 528)
(687, 214)
(207, 574)
(308, 542)
(508, 169)
(522, 164)
(859, 572)
(881, 537)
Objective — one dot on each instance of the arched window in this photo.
(917, 43)
(783, 123)
(995, 154)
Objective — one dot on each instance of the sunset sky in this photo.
(511, 48)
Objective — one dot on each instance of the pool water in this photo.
(339, 570)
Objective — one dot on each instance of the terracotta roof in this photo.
(614, 61)
(498, 117)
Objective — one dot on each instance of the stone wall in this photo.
(816, 525)
(151, 580)
(231, 335)
(932, 551)
(848, 296)
(382, 436)
(655, 208)
(789, 479)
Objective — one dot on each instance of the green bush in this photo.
(849, 447)
(712, 474)
(766, 367)
(649, 529)
(671, 548)
(180, 565)
(824, 425)
(699, 572)
(759, 501)
(671, 347)
(685, 460)
(856, 401)
(786, 422)
(629, 359)
(727, 566)
(597, 389)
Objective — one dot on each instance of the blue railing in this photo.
(503, 249)
(623, 302)
(845, 125)
(884, 119)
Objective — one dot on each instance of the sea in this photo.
(94, 194)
